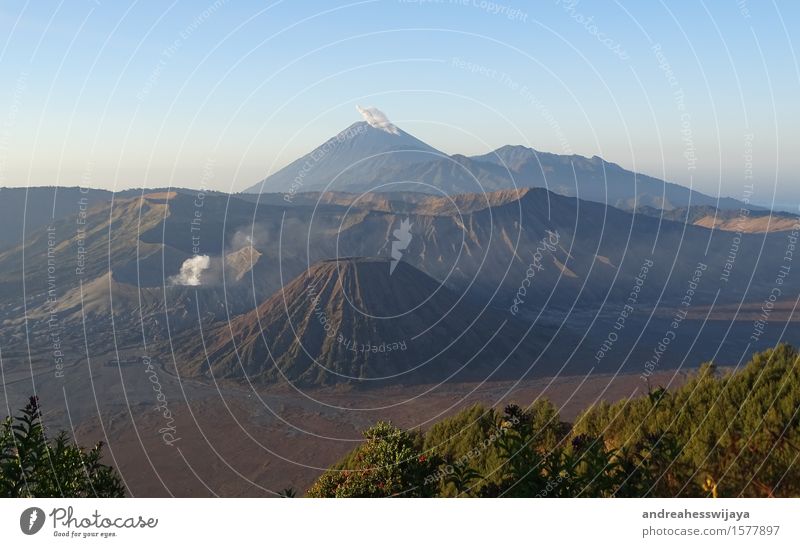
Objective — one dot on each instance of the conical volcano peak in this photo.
(370, 139)
(347, 319)
(355, 159)
(369, 284)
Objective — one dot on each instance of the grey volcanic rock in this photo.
(478, 245)
(350, 321)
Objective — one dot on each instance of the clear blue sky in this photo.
(155, 93)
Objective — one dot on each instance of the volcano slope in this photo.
(109, 273)
(350, 321)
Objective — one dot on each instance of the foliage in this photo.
(733, 434)
(33, 466)
(738, 433)
(389, 463)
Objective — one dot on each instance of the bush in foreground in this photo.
(732, 434)
(389, 463)
(33, 466)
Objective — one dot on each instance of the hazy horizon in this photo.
(118, 97)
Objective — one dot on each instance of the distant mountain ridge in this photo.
(364, 158)
(595, 179)
(24, 210)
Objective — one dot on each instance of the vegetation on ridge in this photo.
(731, 434)
(31, 465)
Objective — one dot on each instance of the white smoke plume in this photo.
(377, 119)
(207, 271)
(250, 236)
(192, 271)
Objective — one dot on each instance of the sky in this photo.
(219, 93)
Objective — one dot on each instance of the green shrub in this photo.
(733, 434)
(33, 466)
(389, 463)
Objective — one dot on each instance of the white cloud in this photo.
(191, 271)
(377, 119)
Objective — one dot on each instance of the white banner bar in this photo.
(400, 522)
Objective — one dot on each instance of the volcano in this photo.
(350, 161)
(351, 321)
(366, 157)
